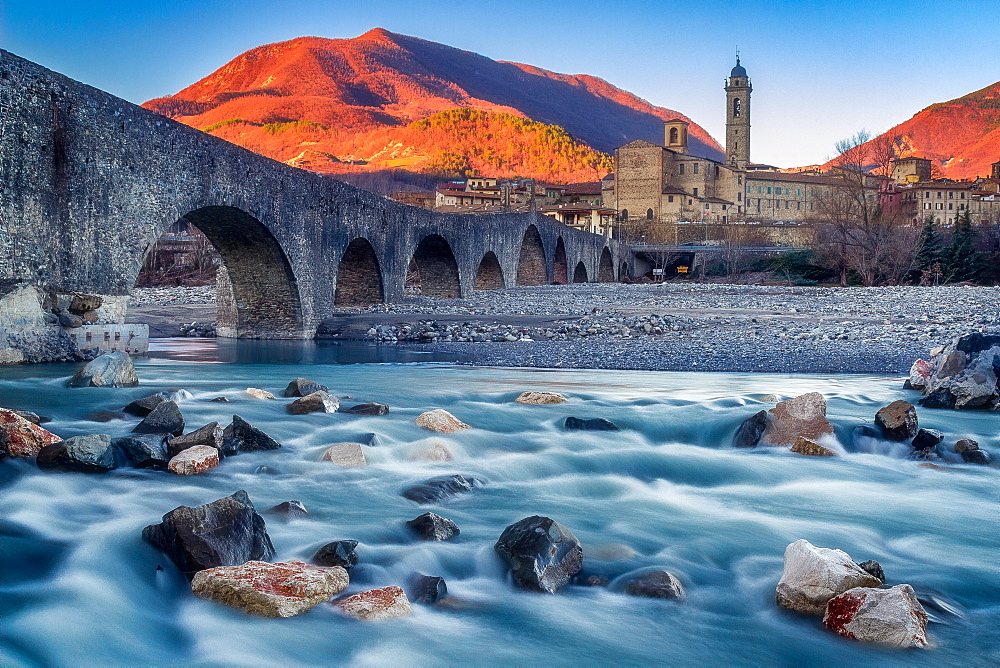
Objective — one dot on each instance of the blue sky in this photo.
(821, 70)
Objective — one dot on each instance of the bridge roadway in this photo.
(89, 182)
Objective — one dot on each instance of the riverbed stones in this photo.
(144, 451)
(441, 421)
(589, 424)
(750, 430)
(655, 584)
(370, 408)
(434, 451)
(24, 439)
(91, 453)
(813, 575)
(245, 437)
(144, 406)
(166, 418)
(194, 460)
(302, 387)
(542, 554)
(109, 370)
(337, 553)
(210, 435)
(346, 455)
(376, 604)
(426, 589)
(540, 398)
(438, 489)
(316, 402)
(806, 446)
(81, 304)
(257, 393)
(886, 616)
(282, 589)
(971, 452)
(898, 421)
(431, 526)
(804, 415)
(225, 532)
(964, 373)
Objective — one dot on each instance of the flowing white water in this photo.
(78, 585)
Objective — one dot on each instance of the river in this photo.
(78, 586)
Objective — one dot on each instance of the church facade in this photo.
(665, 183)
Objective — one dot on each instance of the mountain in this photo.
(961, 137)
(343, 105)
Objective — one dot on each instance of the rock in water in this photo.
(927, 438)
(940, 398)
(971, 452)
(210, 435)
(898, 421)
(435, 451)
(87, 454)
(804, 415)
(337, 553)
(376, 604)
(33, 418)
(813, 575)
(873, 568)
(109, 370)
(590, 424)
(656, 584)
(919, 373)
(164, 419)
(805, 446)
(440, 420)
(258, 393)
(143, 407)
(542, 554)
(750, 430)
(437, 489)
(301, 387)
(194, 460)
(430, 526)
(427, 589)
(317, 402)
(144, 451)
(284, 589)
(888, 616)
(289, 510)
(367, 409)
(248, 438)
(24, 439)
(540, 398)
(347, 455)
(226, 532)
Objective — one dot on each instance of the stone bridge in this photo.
(88, 183)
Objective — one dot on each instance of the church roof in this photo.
(738, 71)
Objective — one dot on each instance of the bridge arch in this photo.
(606, 268)
(359, 276)
(531, 264)
(434, 266)
(560, 270)
(258, 295)
(580, 273)
(489, 275)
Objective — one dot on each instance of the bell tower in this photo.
(738, 90)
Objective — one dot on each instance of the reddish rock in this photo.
(376, 604)
(919, 373)
(284, 589)
(804, 415)
(25, 438)
(194, 460)
(898, 421)
(440, 420)
(888, 616)
(813, 575)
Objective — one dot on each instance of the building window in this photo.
(739, 181)
(962, 196)
(927, 194)
(799, 191)
(670, 198)
(706, 206)
(737, 107)
(950, 206)
(723, 207)
(769, 190)
(696, 168)
(951, 195)
(624, 214)
(649, 214)
(681, 168)
(695, 192)
(739, 197)
(798, 205)
(787, 203)
(673, 136)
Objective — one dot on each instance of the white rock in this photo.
(258, 393)
(888, 616)
(376, 604)
(813, 575)
(434, 451)
(440, 420)
(194, 460)
(540, 398)
(347, 455)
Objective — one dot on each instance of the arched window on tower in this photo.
(624, 215)
(649, 214)
(737, 107)
(673, 136)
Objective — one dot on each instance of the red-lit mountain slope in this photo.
(340, 105)
(962, 136)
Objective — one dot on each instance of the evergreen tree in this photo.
(930, 245)
(961, 259)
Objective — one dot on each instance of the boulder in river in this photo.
(898, 421)
(813, 575)
(804, 415)
(24, 439)
(30, 416)
(431, 526)
(257, 393)
(210, 435)
(91, 453)
(144, 406)
(806, 446)
(541, 553)
(886, 616)
(437, 489)
(964, 373)
(347, 455)
(376, 604)
(301, 387)
(369, 408)
(166, 418)
(540, 398)
(873, 568)
(144, 451)
(434, 451)
(426, 589)
(337, 553)
(927, 438)
(589, 424)
(283, 589)
(441, 421)
(750, 430)
(317, 402)
(919, 372)
(225, 532)
(109, 370)
(244, 437)
(655, 584)
(289, 510)
(194, 460)
(971, 452)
